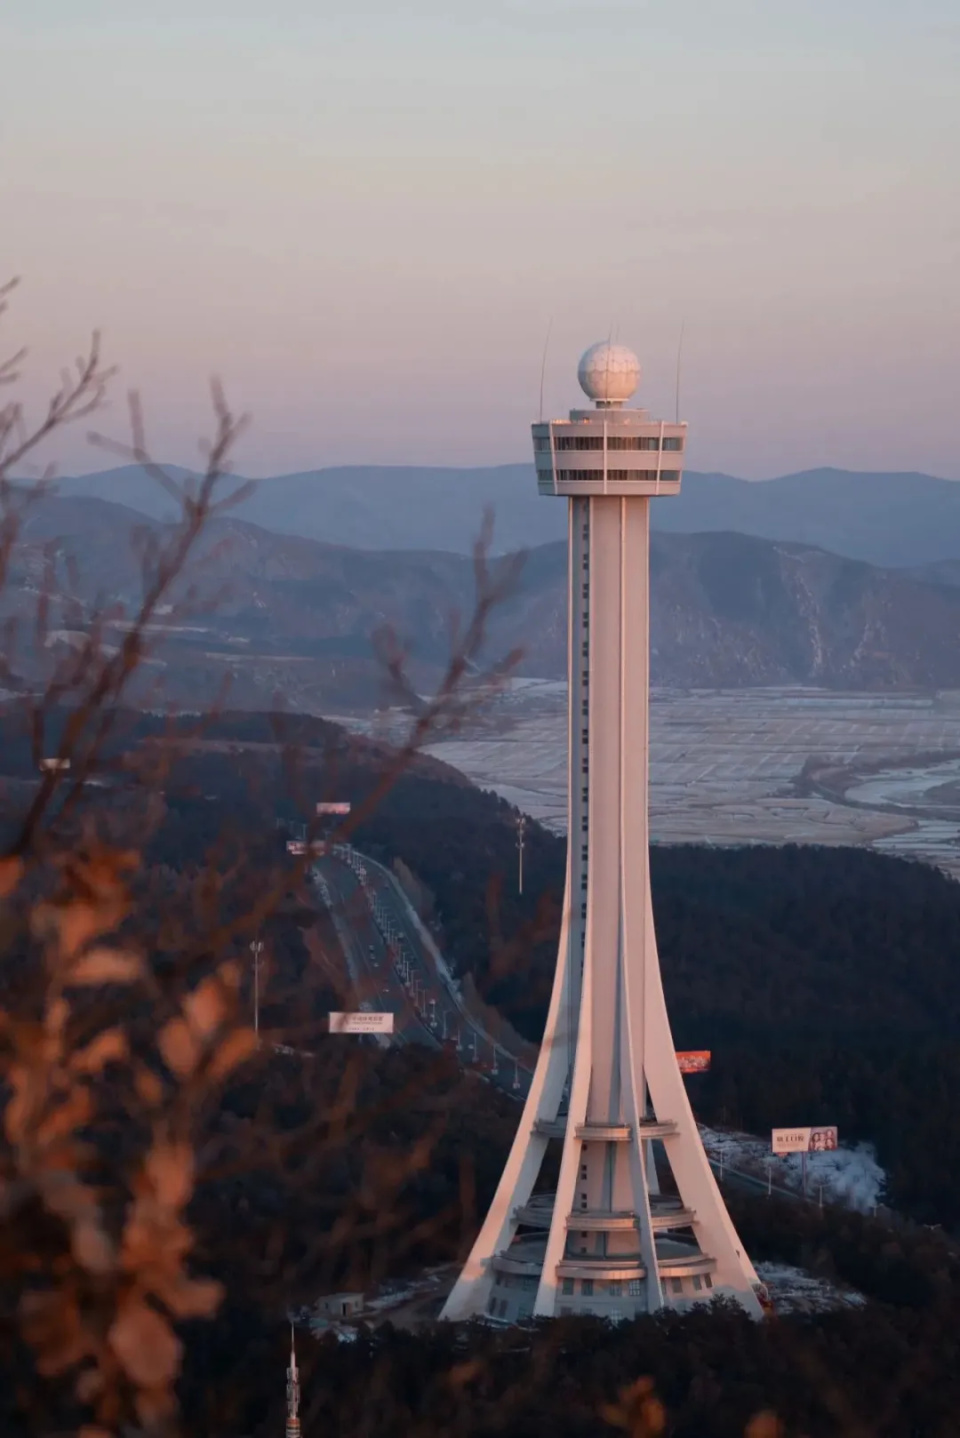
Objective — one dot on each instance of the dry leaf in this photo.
(11, 872)
(92, 1249)
(229, 974)
(235, 1050)
(67, 1118)
(206, 1007)
(55, 1019)
(169, 1170)
(192, 1297)
(764, 1425)
(51, 1324)
(149, 1088)
(179, 1048)
(18, 1115)
(76, 924)
(108, 1047)
(105, 966)
(155, 1407)
(639, 1411)
(65, 1195)
(145, 1344)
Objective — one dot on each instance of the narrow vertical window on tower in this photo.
(610, 532)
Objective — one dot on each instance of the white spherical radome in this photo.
(608, 372)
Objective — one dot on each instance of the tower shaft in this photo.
(637, 1221)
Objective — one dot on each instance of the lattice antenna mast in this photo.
(293, 1392)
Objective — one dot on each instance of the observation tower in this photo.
(637, 1222)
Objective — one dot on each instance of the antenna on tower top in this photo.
(543, 366)
(679, 353)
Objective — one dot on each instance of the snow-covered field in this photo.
(848, 1176)
(795, 1291)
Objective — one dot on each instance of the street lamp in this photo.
(521, 828)
(256, 948)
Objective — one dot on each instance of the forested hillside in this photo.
(824, 980)
(896, 519)
(285, 618)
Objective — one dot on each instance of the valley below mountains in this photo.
(268, 619)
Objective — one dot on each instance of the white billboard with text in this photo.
(361, 1023)
(804, 1140)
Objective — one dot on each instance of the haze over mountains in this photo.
(288, 619)
(885, 519)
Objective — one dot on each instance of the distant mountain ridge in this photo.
(885, 519)
(290, 620)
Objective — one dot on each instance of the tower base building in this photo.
(636, 1222)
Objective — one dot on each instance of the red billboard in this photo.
(694, 1061)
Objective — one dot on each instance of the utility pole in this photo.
(256, 949)
(521, 827)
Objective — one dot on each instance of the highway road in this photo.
(395, 966)
(375, 980)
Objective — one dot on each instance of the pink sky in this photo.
(365, 224)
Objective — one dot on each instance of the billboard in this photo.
(361, 1023)
(694, 1061)
(328, 808)
(804, 1140)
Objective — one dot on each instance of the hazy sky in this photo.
(364, 215)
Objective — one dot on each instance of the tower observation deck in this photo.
(637, 1221)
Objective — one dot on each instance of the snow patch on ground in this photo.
(339, 1331)
(393, 1299)
(792, 1290)
(848, 1176)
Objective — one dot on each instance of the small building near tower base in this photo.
(340, 1305)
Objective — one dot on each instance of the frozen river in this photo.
(723, 765)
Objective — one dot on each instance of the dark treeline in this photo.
(886, 1367)
(825, 983)
(823, 980)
